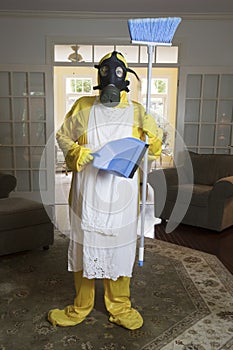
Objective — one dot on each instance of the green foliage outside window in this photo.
(80, 85)
(160, 86)
(87, 85)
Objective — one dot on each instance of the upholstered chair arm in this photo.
(7, 184)
(157, 176)
(223, 188)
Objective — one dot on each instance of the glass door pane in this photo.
(25, 130)
(210, 88)
(209, 106)
(226, 86)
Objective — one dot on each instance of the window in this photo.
(159, 91)
(78, 85)
(79, 54)
(75, 88)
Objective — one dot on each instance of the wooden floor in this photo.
(217, 243)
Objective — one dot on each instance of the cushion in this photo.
(21, 212)
(200, 194)
(209, 168)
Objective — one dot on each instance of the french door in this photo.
(205, 118)
(26, 130)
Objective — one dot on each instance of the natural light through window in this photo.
(78, 54)
(159, 91)
(77, 87)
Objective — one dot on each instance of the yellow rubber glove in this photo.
(77, 157)
(155, 135)
(84, 158)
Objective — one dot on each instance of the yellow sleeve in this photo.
(145, 124)
(73, 133)
(154, 133)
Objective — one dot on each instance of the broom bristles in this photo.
(154, 30)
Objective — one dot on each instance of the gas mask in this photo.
(112, 72)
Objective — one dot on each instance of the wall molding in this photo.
(116, 15)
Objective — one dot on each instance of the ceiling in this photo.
(121, 6)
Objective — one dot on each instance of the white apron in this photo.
(104, 208)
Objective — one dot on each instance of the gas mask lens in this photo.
(119, 72)
(104, 71)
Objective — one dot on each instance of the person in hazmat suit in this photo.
(104, 208)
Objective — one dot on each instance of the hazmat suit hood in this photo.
(112, 78)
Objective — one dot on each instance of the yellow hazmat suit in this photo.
(103, 208)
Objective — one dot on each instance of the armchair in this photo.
(209, 193)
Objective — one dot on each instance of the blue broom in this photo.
(150, 32)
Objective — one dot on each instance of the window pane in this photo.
(194, 86)
(131, 53)
(159, 86)
(37, 84)
(101, 51)
(192, 111)
(37, 157)
(207, 135)
(70, 85)
(225, 112)
(166, 54)
(22, 157)
(20, 84)
(73, 53)
(4, 83)
(20, 109)
(223, 135)
(38, 134)
(209, 111)
(226, 87)
(191, 135)
(5, 113)
(21, 133)
(23, 180)
(86, 52)
(6, 157)
(210, 89)
(62, 52)
(87, 86)
(6, 133)
(37, 109)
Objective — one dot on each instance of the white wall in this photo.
(205, 42)
(23, 38)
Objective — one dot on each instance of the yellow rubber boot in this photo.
(117, 302)
(83, 303)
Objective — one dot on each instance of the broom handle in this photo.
(150, 50)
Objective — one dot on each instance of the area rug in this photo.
(184, 296)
